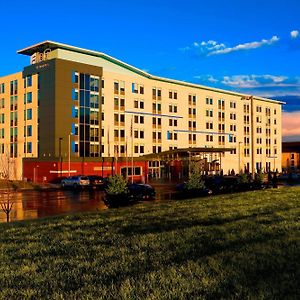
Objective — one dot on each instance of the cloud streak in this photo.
(211, 47)
(257, 81)
(246, 46)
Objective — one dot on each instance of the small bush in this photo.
(259, 178)
(195, 182)
(116, 185)
(243, 179)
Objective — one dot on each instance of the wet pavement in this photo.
(38, 204)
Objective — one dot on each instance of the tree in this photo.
(5, 165)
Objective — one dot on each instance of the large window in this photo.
(88, 113)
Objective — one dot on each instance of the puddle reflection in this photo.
(38, 204)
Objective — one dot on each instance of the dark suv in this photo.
(97, 181)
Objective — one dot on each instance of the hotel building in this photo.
(76, 111)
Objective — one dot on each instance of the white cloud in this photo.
(246, 46)
(256, 81)
(294, 34)
(206, 78)
(212, 47)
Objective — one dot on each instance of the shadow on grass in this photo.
(148, 225)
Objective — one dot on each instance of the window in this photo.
(209, 125)
(209, 113)
(232, 116)
(28, 81)
(29, 130)
(29, 114)
(209, 138)
(139, 119)
(29, 97)
(2, 88)
(116, 87)
(136, 149)
(74, 77)
(134, 88)
(2, 133)
(209, 101)
(122, 87)
(169, 135)
(29, 147)
(74, 112)
(14, 87)
(74, 94)
(153, 93)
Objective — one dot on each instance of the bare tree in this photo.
(5, 167)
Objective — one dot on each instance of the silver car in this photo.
(75, 181)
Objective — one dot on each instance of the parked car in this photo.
(288, 177)
(75, 181)
(97, 181)
(141, 191)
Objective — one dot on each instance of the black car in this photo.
(97, 181)
(141, 191)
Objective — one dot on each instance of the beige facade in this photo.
(152, 114)
(18, 123)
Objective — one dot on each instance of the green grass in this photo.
(240, 246)
(17, 184)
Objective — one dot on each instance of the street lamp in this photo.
(239, 158)
(69, 154)
(60, 157)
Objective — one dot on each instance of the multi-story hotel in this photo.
(77, 111)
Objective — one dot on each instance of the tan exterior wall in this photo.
(12, 164)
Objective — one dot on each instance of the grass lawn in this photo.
(17, 184)
(231, 246)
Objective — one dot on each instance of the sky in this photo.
(246, 46)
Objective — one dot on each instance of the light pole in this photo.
(60, 157)
(189, 152)
(239, 158)
(69, 154)
(274, 158)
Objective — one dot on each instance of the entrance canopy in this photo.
(185, 152)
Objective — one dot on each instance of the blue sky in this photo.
(247, 46)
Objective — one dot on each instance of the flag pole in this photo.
(126, 153)
(131, 134)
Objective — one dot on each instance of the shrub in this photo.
(243, 179)
(116, 185)
(259, 178)
(195, 182)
